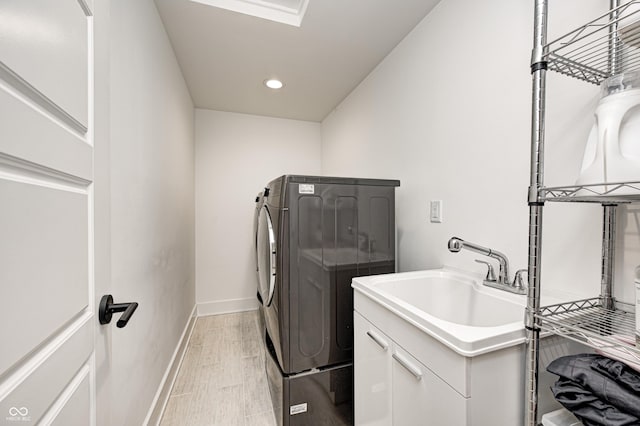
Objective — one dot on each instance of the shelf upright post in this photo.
(614, 59)
(609, 210)
(536, 204)
(608, 255)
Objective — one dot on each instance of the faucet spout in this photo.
(457, 244)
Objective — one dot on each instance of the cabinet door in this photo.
(422, 398)
(372, 374)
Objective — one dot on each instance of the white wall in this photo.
(236, 155)
(448, 113)
(152, 199)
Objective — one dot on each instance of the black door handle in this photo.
(107, 308)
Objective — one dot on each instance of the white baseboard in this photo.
(164, 390)
(227, 306)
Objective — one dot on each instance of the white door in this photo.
(48, 317)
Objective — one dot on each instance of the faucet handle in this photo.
(518, 282)
(491, 273)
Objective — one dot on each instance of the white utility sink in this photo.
(452, 306)
(437, 345)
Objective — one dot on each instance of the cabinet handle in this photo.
(417, 373)
(384, 345)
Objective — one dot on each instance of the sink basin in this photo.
(452, 306)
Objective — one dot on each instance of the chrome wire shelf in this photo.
(609, 193)
(609, 331)
(585, 53)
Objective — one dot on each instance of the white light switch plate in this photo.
(435, 211)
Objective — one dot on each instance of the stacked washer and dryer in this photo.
(313, 235)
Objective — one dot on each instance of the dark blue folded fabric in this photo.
(588, 408)
(618, 371)
(604, 386)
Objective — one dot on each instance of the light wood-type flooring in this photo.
(222, 379)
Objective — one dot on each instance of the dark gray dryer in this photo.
(315, 234)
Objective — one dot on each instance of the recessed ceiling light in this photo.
(272, 83)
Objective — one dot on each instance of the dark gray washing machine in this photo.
(314, 234)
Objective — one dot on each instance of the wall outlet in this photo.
(435, 211)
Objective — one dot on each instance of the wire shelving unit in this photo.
(603, 47)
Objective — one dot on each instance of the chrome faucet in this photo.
(502, 282)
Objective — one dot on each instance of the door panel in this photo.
(47, 325)
(53, 367)
(45, 260)
(425, 399)
(75, 411)
(372, 374)
(44, 43)
(20, 137)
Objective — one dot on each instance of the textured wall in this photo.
(152, 199)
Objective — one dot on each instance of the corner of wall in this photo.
(218, 307)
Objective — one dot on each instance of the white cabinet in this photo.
(420, 397)
(394, 388)
(372, 374)
(404, 376)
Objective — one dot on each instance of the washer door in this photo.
(266, 246)
(256, 217)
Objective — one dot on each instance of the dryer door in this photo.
(256, 217)
(266, 246)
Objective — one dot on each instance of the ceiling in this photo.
(226, 56)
